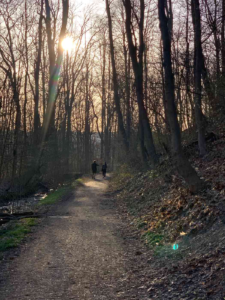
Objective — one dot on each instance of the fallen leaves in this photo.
(159, 203)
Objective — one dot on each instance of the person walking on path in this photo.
(104, 167)
(94, 168)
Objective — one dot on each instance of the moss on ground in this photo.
(152, 238)
(15, 231)
(61, 192)
(12, 236)
(55, 196)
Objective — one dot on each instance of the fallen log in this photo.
(26, 213)
(4, 218)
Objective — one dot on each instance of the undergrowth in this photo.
(61, 192)
(12, 236)
(55, 196)
(162, 208)
(152, 238)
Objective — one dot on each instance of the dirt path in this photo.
(77, 253)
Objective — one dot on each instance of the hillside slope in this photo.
(185, 232)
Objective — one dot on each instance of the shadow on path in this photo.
(77, 253)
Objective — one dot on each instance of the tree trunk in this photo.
(146, 80)
(127, 87)
(87, 127)
(182, 164)
(198, 57)
(115, 82)
(208, 85)
(163, 89)
(54, 64)
(188, 99)
(16, 130)
(223, 56)
(103, 97)
(109, 118)
(25, 84)
(50, 114)
(145, 129)
(36, 78)
(43, 67)
(223, 39)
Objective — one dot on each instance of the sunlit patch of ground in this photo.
(98, 182)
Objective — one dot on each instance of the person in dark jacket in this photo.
(104, 167)
(94, 168)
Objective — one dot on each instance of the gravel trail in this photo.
(78, 252)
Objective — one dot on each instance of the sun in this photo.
(68, 44)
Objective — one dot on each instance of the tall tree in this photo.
(184, 167)
(137, 63)
(127, 75)
(103, 92)
(37, 76)
(10, 67)
(223, 53)
(198, 56)
(54, 64)
(115, 81)
(87, 118)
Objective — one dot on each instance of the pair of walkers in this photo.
(94, 169)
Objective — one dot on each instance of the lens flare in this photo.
(68, 44)
(175, 246)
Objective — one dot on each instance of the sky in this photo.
(98, 5)
(88, 8)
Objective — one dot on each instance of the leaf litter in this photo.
(162, 212)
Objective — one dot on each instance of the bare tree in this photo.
(183, 165)
(54, 63)
(37, 76)
(115, 81)
(137, 62)
(198, 56)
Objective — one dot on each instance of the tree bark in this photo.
(103, 97)
(54, 64)
(50, 115)
(87, 125)
(144, 126)
(188, 99)
(115, 81)
(13, 76)
(223, 56)
(182, 164)
(198, 57)
(109, 118)
(36, 78)
(208, 85)
(127, 82)
(223, 39)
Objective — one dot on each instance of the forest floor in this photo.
(144, 237)
(185, 233)
(80, 250)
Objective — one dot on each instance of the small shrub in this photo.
(153, 239)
